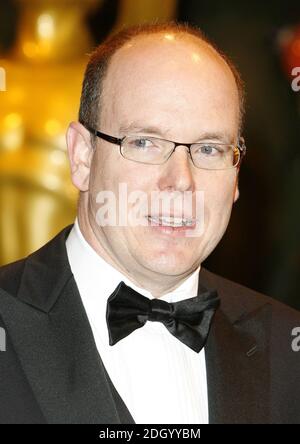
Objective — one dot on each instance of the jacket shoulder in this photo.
(11, 275)
(47, 263)
(240, 299)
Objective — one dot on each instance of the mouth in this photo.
(179, 223)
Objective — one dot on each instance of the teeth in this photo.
(171, 221)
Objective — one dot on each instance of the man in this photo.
(107, 322)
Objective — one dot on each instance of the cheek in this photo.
(221, 199)
(218, 198)
(136, 178)
(106, 171)
(127, 184)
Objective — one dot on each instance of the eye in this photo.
(208, 150)
(141, 143)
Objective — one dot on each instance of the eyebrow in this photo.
(216, 135)
(135, 128)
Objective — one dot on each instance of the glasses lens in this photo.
(146, 149)
(214, 156)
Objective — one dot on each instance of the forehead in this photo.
(169, 76)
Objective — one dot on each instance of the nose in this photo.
(177, 172)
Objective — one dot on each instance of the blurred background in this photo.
(43, 49)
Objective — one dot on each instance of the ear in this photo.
(80, 153)
(236, 193)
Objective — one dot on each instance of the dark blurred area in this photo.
(261, 248)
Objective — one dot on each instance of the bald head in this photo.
(165, 36)
(172, 81)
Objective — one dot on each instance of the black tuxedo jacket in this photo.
(51, 371)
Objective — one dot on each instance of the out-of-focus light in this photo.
(30, 49)
(52, 127)
(2, 79)
(17, 94)
(13, 134)
(60, 141)
(58, 157)
(45, 26)
(52, 182)
(12, 121)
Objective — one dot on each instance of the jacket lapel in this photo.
(238, 368)
(51, 334)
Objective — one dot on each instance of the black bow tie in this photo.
(188, 320)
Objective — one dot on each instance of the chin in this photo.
(171, 265)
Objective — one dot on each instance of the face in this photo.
(180, 90)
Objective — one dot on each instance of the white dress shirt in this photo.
(161, 380)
